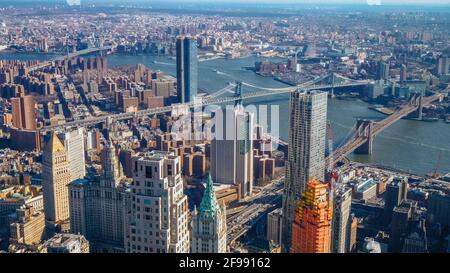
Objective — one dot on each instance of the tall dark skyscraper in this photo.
(187, 69)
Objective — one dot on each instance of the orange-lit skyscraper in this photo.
(311, 228)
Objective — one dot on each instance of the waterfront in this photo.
(409, 145)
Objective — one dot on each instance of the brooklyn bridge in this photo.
(360, 140)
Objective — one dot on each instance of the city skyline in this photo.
(201, 127)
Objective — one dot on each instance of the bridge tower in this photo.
(364, 129)
(238, 92)
(333, 82)
(420, 108)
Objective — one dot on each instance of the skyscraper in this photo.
(23, 110)
(383, 71)
(74, 144)
(187, 69)
(311, 228)
(55, 179)
(157, 221)
(97, 206)
(443, 64)
(396, 192)
(306, 155)
(274, 226)
(209, 225)
(403, 73)
(340, 237)
(232, 150)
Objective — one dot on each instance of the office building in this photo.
(403, 73)
(306, 154)
(187, 69)
(209, 225)
(311, 228)
(416, 241)
(395, 193)
(55, 180)
(74, 143)
(399, 225)
(274, 221)
(67, 243)
(28, 227)
(232, 150)
(443, 64)
(157, 221)
(97, 206)
(340, 237)
(383, 71)
(438, 209)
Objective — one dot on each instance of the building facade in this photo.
(340, 237)
(306, 154)
(274, 226)
(232, 150)
(157, 221)
(29, 228)
(55, 180)
(67, 243)
(209, 225)
(312, 226)
(187, 69)
(74, 144)
(97, 206)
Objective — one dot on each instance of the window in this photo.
(148, 172)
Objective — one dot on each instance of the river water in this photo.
(412, 146)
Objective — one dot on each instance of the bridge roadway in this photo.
(69, 56)
(205, 102)
(256, 207)
(356, 140)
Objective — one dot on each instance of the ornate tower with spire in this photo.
(209, 227)
(97, 206)
(55, 179)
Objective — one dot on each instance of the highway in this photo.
(258, 205)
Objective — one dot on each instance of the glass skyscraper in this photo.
(187, 69)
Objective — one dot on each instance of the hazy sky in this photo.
(313, 1)
(406, 2)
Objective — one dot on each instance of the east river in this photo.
(412, 146)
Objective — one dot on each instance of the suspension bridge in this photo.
(360, 139)
(69, 56)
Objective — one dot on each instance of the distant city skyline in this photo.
(309, 2)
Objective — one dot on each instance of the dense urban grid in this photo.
(92, 158)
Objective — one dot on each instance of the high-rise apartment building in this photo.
(74, 144)
(313, 216)
(232, 150)
(306, 154)
(340, 237)
(157, 221)
(187, 69)
(209, 225)
(23, 111)
(55, 180)
(97, 206)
